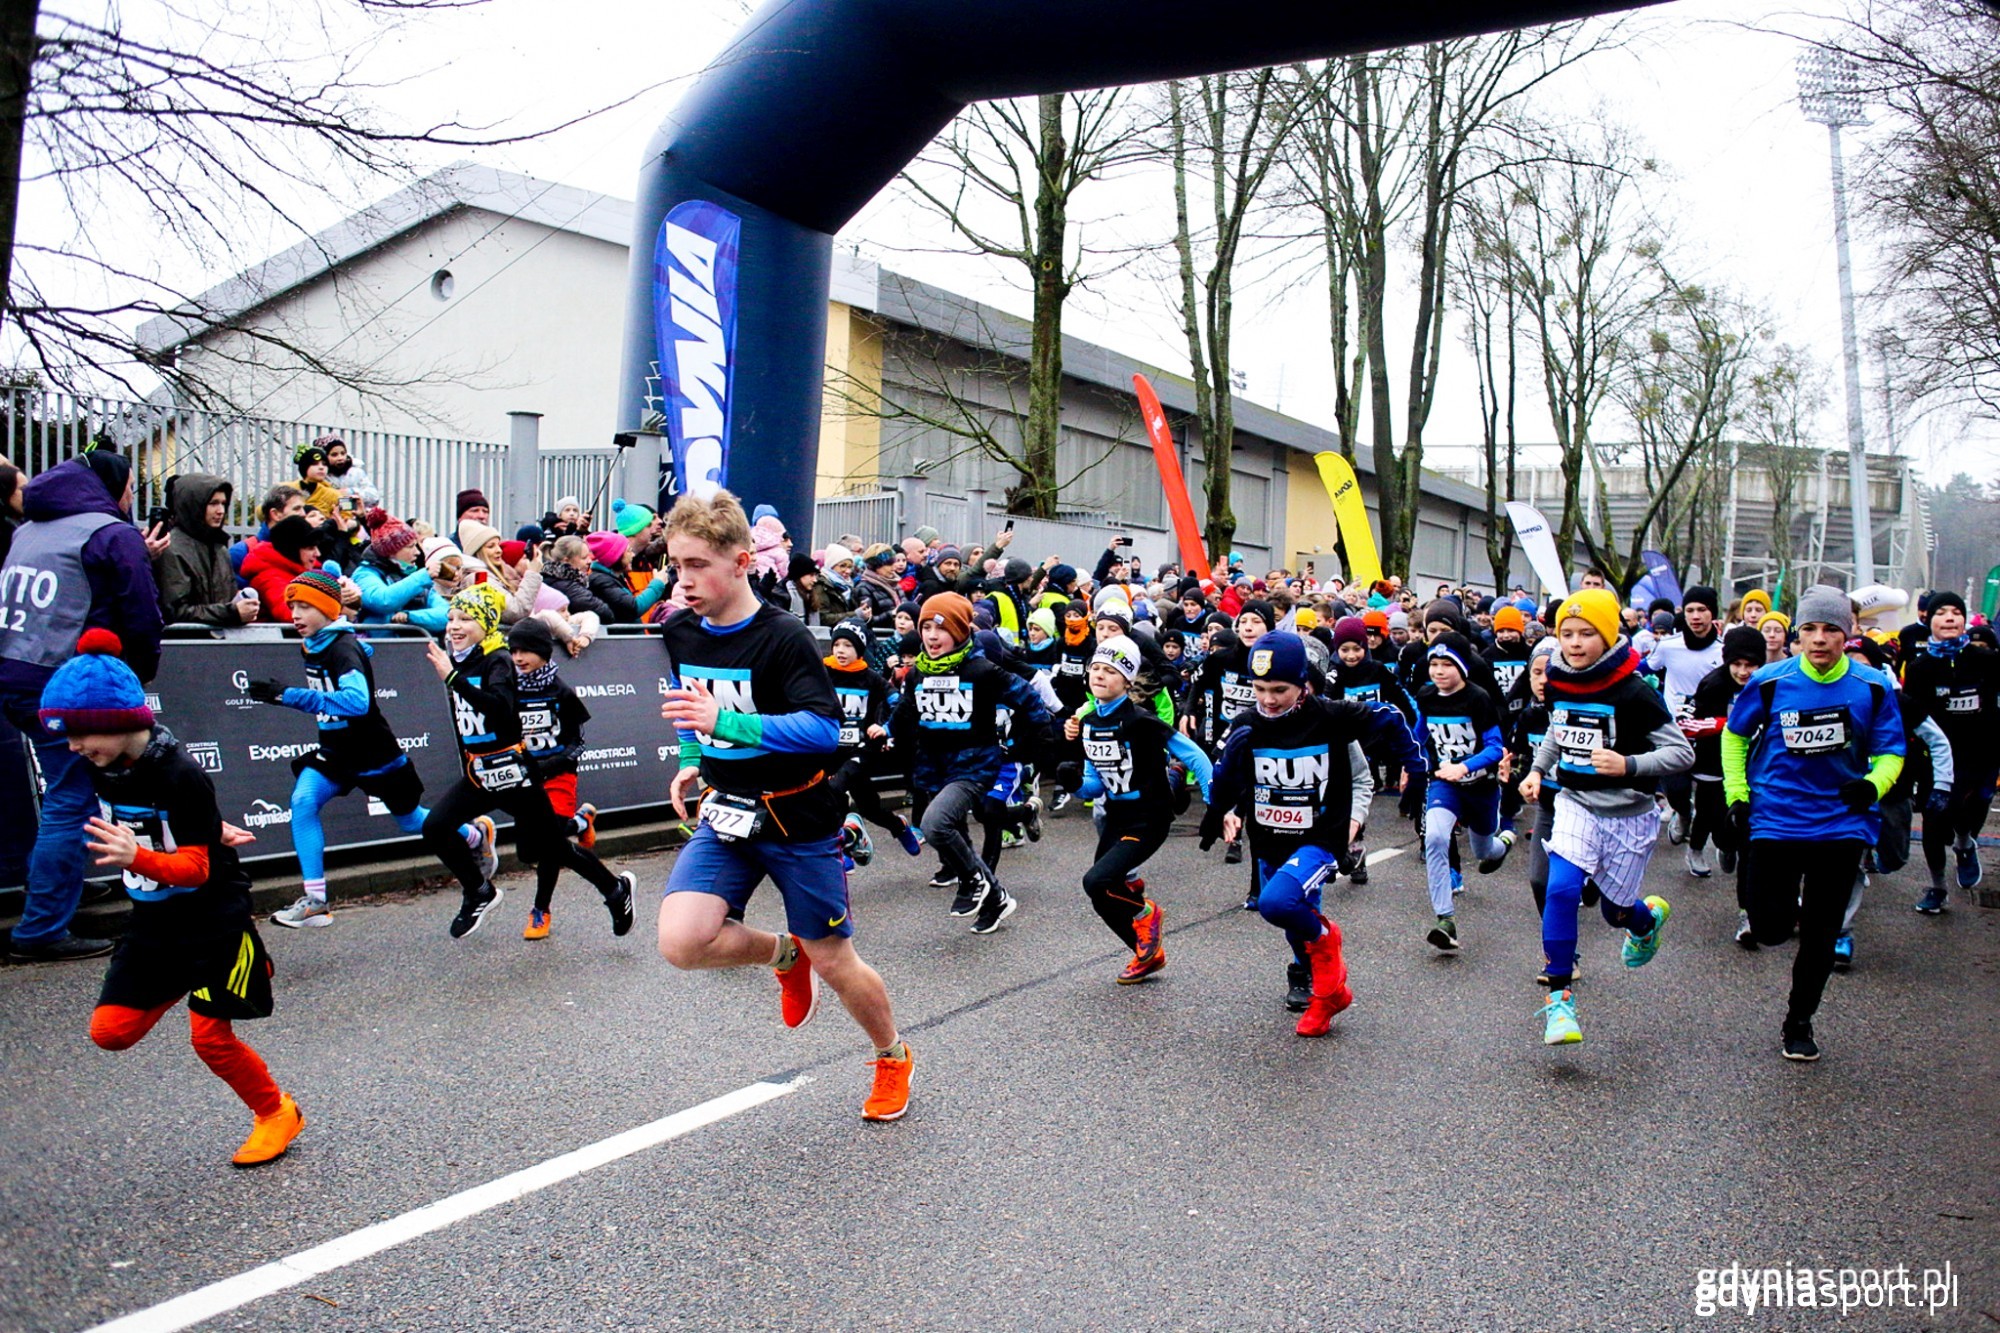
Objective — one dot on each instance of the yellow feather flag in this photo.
(1357, 542)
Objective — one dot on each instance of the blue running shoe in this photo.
(855, 842)
(1933, 900)
(1969, 873)
(913, 841)
(1639, 949)
(1843, 951)
(1457, 883)
(1559, 1026)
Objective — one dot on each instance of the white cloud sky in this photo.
(1712, 99)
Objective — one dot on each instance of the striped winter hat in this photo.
(319, 590)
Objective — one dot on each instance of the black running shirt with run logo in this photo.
(768, 665)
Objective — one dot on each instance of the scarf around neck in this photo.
(1616, 665)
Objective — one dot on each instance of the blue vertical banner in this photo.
(1659, 580)
(695, 261)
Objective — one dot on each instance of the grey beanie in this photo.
(1822, 605)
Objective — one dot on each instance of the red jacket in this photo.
(268, 571)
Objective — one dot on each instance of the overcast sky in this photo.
(1745, 182)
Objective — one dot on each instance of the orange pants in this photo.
(117, 1027)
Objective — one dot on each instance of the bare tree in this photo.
(1679, 390)
(1014, 170)
(1581, 248)
(198, 132)
(1400, 136)
(1227, 132)
(1786, 395)
(1485, 283)
(1932, 188)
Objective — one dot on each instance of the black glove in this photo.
(1858, 793)
(1211, 827)
(1938, 801)
(267, 691)
(1739, 820)
(1069, 776)
(1412, 804)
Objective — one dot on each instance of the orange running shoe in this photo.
(538, 925)
(1330, 994)
(890, 1096)
(588, 838)
(798, 989)
(271, 1135)
(1150, 954)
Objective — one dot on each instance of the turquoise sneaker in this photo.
(1559, 1021)
(1639, 949)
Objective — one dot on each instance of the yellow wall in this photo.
(850, 439)
(1309, 520)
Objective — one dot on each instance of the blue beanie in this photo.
(1453, 647)
(1280, 656)
(95, 694)
(762, 512)
(1062, 576)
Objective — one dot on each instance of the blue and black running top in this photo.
(1288, 778)
(339, 692)
(168, 803)
(1462, 727)
(1805, 738)
(780, 720)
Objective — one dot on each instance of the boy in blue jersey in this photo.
(356, 750)
(1126, 749)
(1812, 744)
(1610, 740)
(1459, 728)
(761, 741)
(1286, 780)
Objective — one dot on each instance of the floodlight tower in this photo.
(1830, 95)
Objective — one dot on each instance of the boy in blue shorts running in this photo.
(760, 745)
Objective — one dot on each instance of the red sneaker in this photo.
(1150, 954)
(1330, 994)
(798, 989)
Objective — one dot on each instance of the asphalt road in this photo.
(1078, 1154)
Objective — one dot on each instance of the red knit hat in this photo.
(387, 533)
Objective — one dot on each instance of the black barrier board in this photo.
(247, 748)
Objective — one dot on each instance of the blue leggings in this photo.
(1566, 879)
(310, 795)
(1445, 807)
(1288, 896)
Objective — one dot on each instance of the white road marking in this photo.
(232, 1293)
(1378, 857)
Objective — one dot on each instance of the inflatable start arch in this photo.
(815, 107)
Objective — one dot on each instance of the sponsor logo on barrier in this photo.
(240, 679)
(669, 753)
(376, 807)
(387, 694)
(263, 814)
(422, 742)
(694, 317)
(153, 702)
(620, 690)
(262, 754)
(666, 685)
(207, 755)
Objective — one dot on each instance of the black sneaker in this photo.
(1359, 875)
(997, 906)
(473, 911)
(1060, 804)
(1031, 822)
(1728, 860)
(972, 893)
(1489, 864)
(67, 949)
(1444, 935)
(1232, 853)
(1933, 900)
(1298, 987)
(620, 903)
(1800, 1046)
(944, 879)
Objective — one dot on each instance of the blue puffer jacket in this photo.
(387, 589)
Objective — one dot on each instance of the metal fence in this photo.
(417, 476)
(872, 518)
